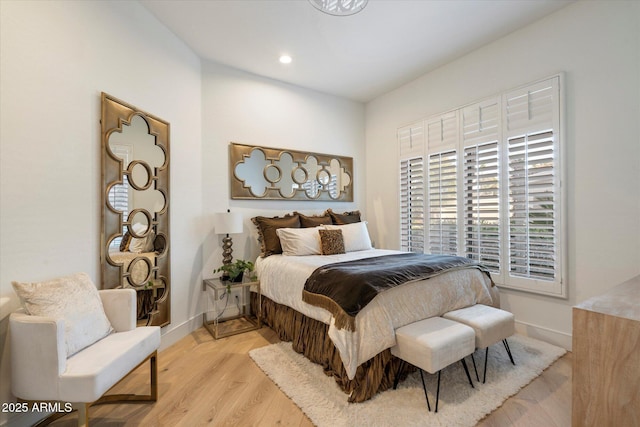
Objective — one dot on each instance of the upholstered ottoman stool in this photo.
(431, 345)
(490, 325)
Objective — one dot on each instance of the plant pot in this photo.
(237, 279)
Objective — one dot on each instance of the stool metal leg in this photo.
(486, 358)
(506, 346)
(466, 370)
(397, 378)
(437, 391)
(424, 387)
(473, 359)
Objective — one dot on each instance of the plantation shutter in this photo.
(412, 205)
(442, 132)
(532, 127)
(480, 183)
(443, 232)
(119, 193)
(411, 140)
(532, 207)
(412, 183)
(442, 142)
(484, 182)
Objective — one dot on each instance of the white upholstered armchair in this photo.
(42, 371)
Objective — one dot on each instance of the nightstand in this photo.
(229, 313)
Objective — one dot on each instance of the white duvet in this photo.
(282, 280)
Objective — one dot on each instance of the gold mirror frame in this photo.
(148, 272)
(277, 174)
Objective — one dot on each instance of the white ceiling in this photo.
(359, 57)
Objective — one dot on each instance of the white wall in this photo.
(597, 44)
(244, 108)
(56, 58)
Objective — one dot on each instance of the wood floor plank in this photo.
(203, 381)
(546, 401)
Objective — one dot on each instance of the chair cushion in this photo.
(490, 324)
(433, 343)
(75, 300)
(94, 370)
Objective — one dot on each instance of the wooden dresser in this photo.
(606, 358)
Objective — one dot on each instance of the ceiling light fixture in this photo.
(339, 7)
(285, 59)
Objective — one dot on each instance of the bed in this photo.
(358, 356)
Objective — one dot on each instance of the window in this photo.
(532, 207)
(481, 209)
(442, 206)
(443, 203)
(412, 202)
(119, 194)
(492, 183)
(480, 217)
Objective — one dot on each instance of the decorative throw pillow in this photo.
(344, 218)
(73, 299)
(149, 242)
(332, 242)
(299, 241)
(314, 221)
(124, 243)
(269, 241)
(159, 243)
(356, 236)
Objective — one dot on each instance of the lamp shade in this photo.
(228, 223)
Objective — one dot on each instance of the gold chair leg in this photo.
(83, 408)
(83, 414)
(125, 398)
(154, 376)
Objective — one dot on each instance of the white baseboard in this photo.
(561, 339)
(177, 333)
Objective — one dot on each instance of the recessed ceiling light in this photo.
(285, 59)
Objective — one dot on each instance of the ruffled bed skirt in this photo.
(310, 338)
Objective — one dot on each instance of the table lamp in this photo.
(227, 223)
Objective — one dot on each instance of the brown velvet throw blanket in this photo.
(345, 288)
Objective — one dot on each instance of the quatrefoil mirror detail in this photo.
(134, 240)
(278, 174)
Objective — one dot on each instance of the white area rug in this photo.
(326, 405)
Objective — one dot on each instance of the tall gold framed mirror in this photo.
(134, 240)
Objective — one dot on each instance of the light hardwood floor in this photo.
(207, 382)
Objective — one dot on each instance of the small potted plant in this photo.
(234, 272)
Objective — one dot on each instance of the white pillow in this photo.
(142, 244)
(74, 299)
(299, 241)
(356, 236)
